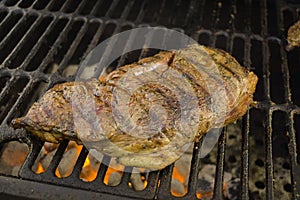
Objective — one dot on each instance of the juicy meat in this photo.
(146, 113)
(294, 36)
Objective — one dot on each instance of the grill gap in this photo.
(272, 17)
(256, 18)
(26, 3)
(288, 18)
(72, 65)
(257, 65)
(21, 52)
(72, 6)
(3, 81)
(297, 134)
(150, 10)
(257, 154)
(9, 23)
(294, 71)
(135, 10)
(224, 19)
(241, 18)
(103, 8)
(166, 12)
(12, 94)
(118, 9)
(204, 38)
(39, 5)
(221, 41)
(238, 47)
(11, 2)
(87, 7)
(180, 12)
(209, 15)
(56, 5)
(3, 14)
(276, 76)
(108, 31)
(12, 157)
(16, 35)
(68, 160)
(64, 46)
(46, 46)
(282, 177)
(89, 169)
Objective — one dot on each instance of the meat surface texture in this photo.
(294, 36)
(147, 113)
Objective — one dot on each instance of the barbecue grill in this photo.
(42, 42)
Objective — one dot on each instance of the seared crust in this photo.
(294, 35)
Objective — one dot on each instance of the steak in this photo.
(147, 113)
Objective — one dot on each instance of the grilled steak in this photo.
(294, 36)
(139, 112)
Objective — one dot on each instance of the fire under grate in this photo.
(43, 42)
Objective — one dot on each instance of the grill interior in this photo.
(42, 43)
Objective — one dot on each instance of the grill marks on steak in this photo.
(83, 111)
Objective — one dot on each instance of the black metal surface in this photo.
(35, 35)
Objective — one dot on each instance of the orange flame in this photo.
(182, 179)
(40, 169)
(208, 194)
(88, 173)
(110, 170)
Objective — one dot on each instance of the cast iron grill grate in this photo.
(42, 43)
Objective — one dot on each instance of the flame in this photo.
(177, 175)
(40, 169)
(144, 181)
(204, 195)
(110, 170)
(182, 179)
(87, 163)
(78, 148)
(57, 173)
(208, 194)
(88, 173)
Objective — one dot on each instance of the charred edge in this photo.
(170, 61)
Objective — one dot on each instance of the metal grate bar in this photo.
(295, 169)
(269, 158)
(111, 8)
(244, 193)
(165, 182)
(72, 48)
(7, 20)
(195, 165)
(9, 60)
(57, 158)
(79, 163)
(218, 186)
(54, 48)
(96, 7)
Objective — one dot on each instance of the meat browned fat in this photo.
(58, 114)
(294, 36)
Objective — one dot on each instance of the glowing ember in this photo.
(110, 171)
(179, 187)
(207, 195)
(40, 168)
(89, 170)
